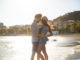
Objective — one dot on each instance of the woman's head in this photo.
(44, 20)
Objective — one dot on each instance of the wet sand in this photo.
(75, 43)
(76, 55)
(20, 48)
(69, 35)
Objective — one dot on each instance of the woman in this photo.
(43, 38)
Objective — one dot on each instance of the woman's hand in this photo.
(43, 35)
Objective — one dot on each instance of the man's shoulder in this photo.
(32, 24)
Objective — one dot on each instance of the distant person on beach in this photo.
(35, 36)
(45, 32)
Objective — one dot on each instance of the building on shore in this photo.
(28, 27)
(1, 25)
(66, 26)
(21, 29)
(57, 24)
(3, 29)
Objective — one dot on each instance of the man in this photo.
(35, 36)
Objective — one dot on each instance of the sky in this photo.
(21, 12)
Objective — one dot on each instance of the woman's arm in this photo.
(46, 35)
(50, 32)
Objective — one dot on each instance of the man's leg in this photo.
(33, 51)
(33, 54)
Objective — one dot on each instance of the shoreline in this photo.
(61, 35)
(69, 35)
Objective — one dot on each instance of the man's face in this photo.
(38, 20)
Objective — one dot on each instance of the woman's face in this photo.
(37, 20)
(44, 21)
(40, 24)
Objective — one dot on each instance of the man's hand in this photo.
(43, 36)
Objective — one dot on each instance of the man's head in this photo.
(38, 18)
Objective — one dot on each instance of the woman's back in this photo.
(44, 31)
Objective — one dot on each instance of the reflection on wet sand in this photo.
(70, 42)
(58, 48)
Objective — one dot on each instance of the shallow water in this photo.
(20, 47)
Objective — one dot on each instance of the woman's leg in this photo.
(44, 52)
(39, 55)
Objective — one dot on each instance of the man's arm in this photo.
(36, 34)
(33, 30)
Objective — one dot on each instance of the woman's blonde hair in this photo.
(44, 18)
(45, 22)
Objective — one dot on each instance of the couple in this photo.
(40, 29)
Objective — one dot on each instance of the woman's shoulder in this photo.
(46, 26)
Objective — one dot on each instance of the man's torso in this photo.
(35, 27)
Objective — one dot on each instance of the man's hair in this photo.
(38, 15)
